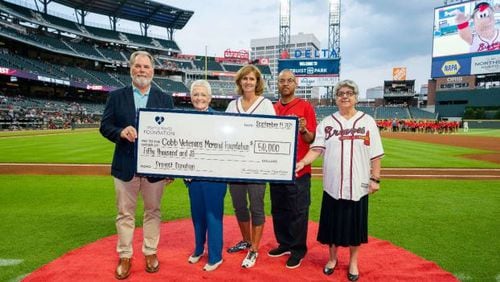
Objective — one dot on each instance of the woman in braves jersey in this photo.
(352, 149)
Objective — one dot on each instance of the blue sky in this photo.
(376, 35)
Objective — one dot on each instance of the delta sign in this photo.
(312, 67)
(314, 54)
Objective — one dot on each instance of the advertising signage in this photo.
(53, 80)
(462, 33)
(319, 72)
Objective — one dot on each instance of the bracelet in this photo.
(375, 180)
(463, 25)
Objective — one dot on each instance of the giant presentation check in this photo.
(218, 146)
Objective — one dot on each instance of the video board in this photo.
(466, 39)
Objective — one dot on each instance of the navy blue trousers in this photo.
(207, 211)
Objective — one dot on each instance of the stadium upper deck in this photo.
(39, 47)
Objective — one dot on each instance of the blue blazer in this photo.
(120, 113)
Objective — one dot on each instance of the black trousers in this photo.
(290, 210)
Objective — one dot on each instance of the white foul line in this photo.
(9, 262)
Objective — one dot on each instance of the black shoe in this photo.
(240, 246)
(352, 277)
(329, 270)
(293, 262)
(278, 252)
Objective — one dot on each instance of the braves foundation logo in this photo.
(349, 134)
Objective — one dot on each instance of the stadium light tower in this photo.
(284, 40)
(334, 27)
(334, 35)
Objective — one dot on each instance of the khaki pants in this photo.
(126, 202)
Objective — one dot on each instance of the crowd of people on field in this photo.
(418, 126)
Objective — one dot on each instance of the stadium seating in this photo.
(103, 33)
(19, 11)
(392, 112)
(148, 41)
(170, 86)
(417, 113)
(51, 43)
(324, 111)
(211, 65)
(104, 78)
(123, 78)
(264, 69)
(220, 87)
(367, 110)
(33, 66)
(175, 64)
(231, 67)
(87, 31)
(111, 54)
(61, 23)
(82, 48)
(79, 75)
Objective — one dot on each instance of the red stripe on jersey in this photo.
(352, 152)
(341, 158)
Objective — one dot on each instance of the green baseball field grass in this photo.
(451, 222)
(89, 147)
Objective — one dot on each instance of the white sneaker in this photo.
(194, 259)
(250, 259)
(212, 267)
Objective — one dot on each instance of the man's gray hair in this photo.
(141, 53)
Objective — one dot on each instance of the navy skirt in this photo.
(343, 222)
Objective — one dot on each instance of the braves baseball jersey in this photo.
(480, 44)
(261, 106)
(348, 147)
(299, 108)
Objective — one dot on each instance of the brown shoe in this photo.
(152, 263)
(123, 268)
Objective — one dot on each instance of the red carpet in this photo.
(379, 260)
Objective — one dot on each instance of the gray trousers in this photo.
(255, 192)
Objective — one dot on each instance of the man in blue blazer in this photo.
(119, 126)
